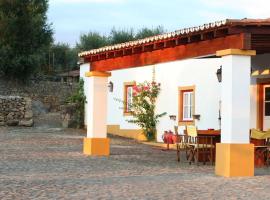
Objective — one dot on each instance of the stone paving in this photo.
(47, 163)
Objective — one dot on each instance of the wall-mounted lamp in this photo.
(197, 117)
(219, 74)
(110, 86)
(172, 117)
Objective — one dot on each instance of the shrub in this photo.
(143, 107)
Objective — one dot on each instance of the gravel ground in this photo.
(44, 162)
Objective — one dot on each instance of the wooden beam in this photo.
(249, 29)
(180, 52)
(246, 41)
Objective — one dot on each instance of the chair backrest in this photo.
(176, 130)
(192, 131)
(257, 134)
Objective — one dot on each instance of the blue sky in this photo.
(70, 18)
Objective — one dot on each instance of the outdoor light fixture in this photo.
(110, 86)
(219, 74)
(172, 117)
(197, 117)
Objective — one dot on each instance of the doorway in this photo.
(266, 107)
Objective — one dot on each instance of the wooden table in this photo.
(259, 152)
(216, 134)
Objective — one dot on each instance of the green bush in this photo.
(143, 108)
(79, 99)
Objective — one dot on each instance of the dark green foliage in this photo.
(24, 37)
(121, 36)
(146, 32)
(94, 40)
(62, 57)
(79, 99)
(91, 40)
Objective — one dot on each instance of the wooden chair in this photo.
(200, 147)
(260, 139)
(267, 143)
(180, 144)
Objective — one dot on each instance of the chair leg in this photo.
(191, 155)
(187, 153)
(178, 152)
(267, 157)
(197, 157)
(211, 156)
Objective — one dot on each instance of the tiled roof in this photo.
(178, 33)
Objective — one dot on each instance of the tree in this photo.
(147, 32)
(94, 40)
(121, 36)
(25, 36)
(91, 40)
(63, 58)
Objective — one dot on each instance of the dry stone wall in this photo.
(51, 94)
(16, 111)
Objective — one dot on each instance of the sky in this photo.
(71, 18)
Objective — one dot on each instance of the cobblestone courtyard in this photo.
(47, 163)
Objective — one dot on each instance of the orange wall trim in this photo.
(180, 105)
(136, 134)
(234, 160)
(260, 100)
(96, 146)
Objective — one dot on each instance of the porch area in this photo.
(48, 163)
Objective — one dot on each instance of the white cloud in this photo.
(250, 8)
(84, 1)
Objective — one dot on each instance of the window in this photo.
(128, 95)
(186, 105)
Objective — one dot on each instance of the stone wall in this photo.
(51, 93)
(15, 110)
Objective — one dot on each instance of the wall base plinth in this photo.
(96, 146)
(234, 160)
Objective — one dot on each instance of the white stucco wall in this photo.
(198, 72)
(83, 69)
(171, 75)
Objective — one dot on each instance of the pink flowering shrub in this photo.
(143, 107)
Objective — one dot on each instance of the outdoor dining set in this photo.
(199, 146)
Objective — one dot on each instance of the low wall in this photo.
(16, 111)
(51, 93)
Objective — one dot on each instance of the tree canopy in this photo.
(24, 36)
(26, 43)
(91, 40)
(62, 57)
(94, 40)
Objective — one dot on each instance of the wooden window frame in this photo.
(126, 85)
(260, 92)
(181, 91)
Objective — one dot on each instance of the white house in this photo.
(186, 62)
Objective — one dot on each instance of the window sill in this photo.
(127, 114)
(186, 123)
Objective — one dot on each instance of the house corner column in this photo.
(235, 154)
(96, 143)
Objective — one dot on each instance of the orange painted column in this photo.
(96, 143)
(235, 154)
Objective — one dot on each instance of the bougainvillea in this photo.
(143, 107)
